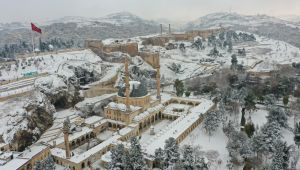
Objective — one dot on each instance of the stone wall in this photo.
(151, 58)
(156, 41)
(143, 101)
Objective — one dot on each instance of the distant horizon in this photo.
(174, 10)
(154, 19)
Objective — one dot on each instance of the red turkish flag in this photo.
(35, 28)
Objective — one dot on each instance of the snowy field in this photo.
(157, 128)
(262, 55)
(44, 63)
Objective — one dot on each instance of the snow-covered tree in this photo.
(171, 152)
(212, 121)
(214, 52)
(281, 156)
(269, 100)
(188, 158)
(201, 164)
(297, 134)
(135, 154)
(234, 61)
(179, 87)
(249, 101)
(38, 165)
(49, 163)
(176, 68)
(242, 52)
(249, 129)
(278, 115)
(182, 47)
(243, 120)
(127, 165)
(229, 129)
(159, 156)
(239, 147)
(264, 141)
(197, 44)
(116, 162)
(285, 100)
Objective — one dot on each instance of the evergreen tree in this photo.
(212, 121)
(159, 156)
(116, 162)
(278, 115)
(234, 61)
(239, 147)
(229, 129)
(243, 120)
(197, 44)
(281, 158)
(182, 47)
(285, 100)
(38, 165)
(187, 93)
(214, 52)
(297, 134)
(249, 129)
(264, 141)
(49, 163)
(201, 165)
(188, 158)
(127, 165)
(179, 87)
(171, 153)
(136, 156)
(250, 101)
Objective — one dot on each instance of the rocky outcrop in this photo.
(25, 120)
(63, 93)
(62, 89)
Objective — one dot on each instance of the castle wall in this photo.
(151, 58)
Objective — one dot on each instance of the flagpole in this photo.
(32, 41)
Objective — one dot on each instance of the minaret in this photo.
(161, 29)
(66, 129)
(127, 86)
(158, 78)
(169, 29)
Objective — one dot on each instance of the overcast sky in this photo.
(41, 10)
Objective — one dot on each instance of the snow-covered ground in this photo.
(157, 128)
(55, 130)
(45, 63)
(216, 142)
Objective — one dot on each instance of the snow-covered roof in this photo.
(14, 164)
(74, 135)
(24, 157)
(147, 112)
(32, 151)
(93, 119)
(122, 107)
(176, 128)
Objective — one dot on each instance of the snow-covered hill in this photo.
(118, 19)
(226, 19)
(264, 25)
(118, 25)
